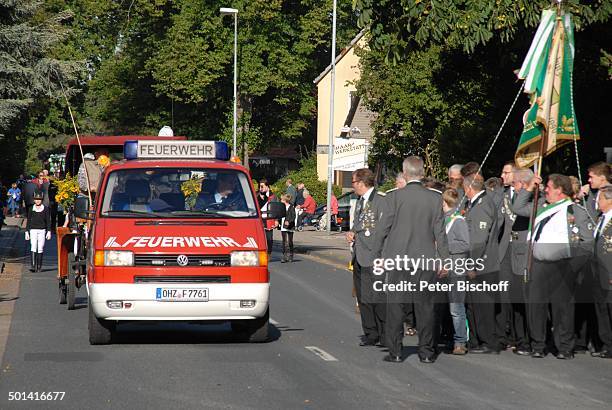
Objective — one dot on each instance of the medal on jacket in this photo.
(367, 232)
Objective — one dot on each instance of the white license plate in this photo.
(181, 294)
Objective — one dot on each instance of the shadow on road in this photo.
(182, 333)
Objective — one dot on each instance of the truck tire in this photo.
(71, 282)
(254, 330)
(100, 331)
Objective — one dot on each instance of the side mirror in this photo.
(81, 208)
(275, 210)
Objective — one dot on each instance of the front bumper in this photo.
(223, 304)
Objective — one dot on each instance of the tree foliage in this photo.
(400, 25)
(29, 71)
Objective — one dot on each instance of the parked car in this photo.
(342, 222)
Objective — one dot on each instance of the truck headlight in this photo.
(245, 258)
(118, 258)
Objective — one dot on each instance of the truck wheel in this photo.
(62, 293)
(71, 282)
(100, 331)
(257, 329)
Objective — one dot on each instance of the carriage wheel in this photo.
(71, 281)
(62, 293)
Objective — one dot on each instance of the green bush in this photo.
(307, 174)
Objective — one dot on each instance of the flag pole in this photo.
(536, 194)
(534, 209)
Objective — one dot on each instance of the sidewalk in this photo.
(327, 248)
(12, 255)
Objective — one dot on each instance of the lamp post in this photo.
(226, 11)
(330, 149)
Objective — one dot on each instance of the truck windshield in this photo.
(178, 193)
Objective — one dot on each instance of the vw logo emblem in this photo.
(182, 260)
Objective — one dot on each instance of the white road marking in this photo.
(321, 353)
(274, 322)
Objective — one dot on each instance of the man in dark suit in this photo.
(602, 269)
(600, 175)
(412, 226)
(367, 213)
(481, 217)
(520, 206)
(506, 218)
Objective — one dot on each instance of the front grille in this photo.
(171, 260)
(182, 279)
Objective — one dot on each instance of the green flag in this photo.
(547, 71)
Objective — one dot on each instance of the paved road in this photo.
(313, 362)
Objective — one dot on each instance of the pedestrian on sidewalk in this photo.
(38, 228)
(14, 199)
(308, 209)
(264, 197)
(287, 225)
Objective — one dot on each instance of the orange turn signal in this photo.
(99, 258)
(235, 159)
(263, 258)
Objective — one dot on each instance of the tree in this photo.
(443, 85)
(28, 70)
(397, 25)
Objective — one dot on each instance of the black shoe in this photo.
(538, 354)
(605, 354)
(484, 349)
(368, 342)
(39, 262)
(393, 358)
(33, 262)
(427, 359)
(565, 355)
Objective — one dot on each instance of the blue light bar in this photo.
(222, 151)
(130, 149)
(154, 149)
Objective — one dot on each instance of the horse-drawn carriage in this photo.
(72, 241)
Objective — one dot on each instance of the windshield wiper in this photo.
(197, 213)
(131, 213)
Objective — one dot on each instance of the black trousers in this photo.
(270, 239)
(424, 306)
(287, 242)
(520, 329)
(585, 318)
(503, 309)
(603, 309)
(481, 313)
(372, 312)
(551, 283)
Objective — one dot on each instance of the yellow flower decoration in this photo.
(103, 161)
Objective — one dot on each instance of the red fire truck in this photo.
(177, 236)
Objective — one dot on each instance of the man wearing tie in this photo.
(367, 212)
(506, 218)
(412, 227)
(600, 175)
(602, 269)
(562, 242)
(482, 219)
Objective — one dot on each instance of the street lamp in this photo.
(330, 149)
(226, 11)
